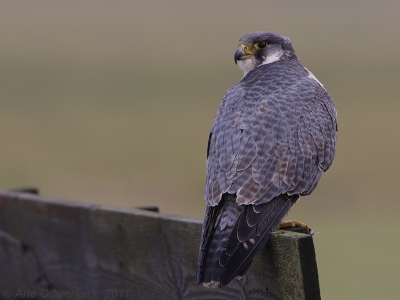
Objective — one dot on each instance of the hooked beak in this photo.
(242, 53)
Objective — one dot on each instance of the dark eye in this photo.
(262, 44)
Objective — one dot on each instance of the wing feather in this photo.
(273, 136)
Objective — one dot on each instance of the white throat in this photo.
(247, 65)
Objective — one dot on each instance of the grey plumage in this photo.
(273, 136)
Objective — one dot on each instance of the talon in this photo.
(286, 224)
(295, 223)
(300, 224)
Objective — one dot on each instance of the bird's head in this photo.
(260, 48)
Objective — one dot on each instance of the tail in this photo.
(233, 234)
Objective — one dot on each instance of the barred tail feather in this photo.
(233, 234)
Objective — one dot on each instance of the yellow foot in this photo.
(294, 223)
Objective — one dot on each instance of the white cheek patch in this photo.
(273, 57)
(247, 65)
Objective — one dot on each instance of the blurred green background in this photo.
(111, 102)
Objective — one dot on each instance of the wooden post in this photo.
(57, 249)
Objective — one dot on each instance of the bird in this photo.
(273, 137)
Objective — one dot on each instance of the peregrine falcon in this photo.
(273, 136)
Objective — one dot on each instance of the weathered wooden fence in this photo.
(56, 249)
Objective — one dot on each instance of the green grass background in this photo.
(111, 102)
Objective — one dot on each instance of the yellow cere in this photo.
(246, 49)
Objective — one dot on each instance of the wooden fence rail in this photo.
(57, 249)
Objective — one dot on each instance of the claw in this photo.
(295, 223)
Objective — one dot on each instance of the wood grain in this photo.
(56, 246)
